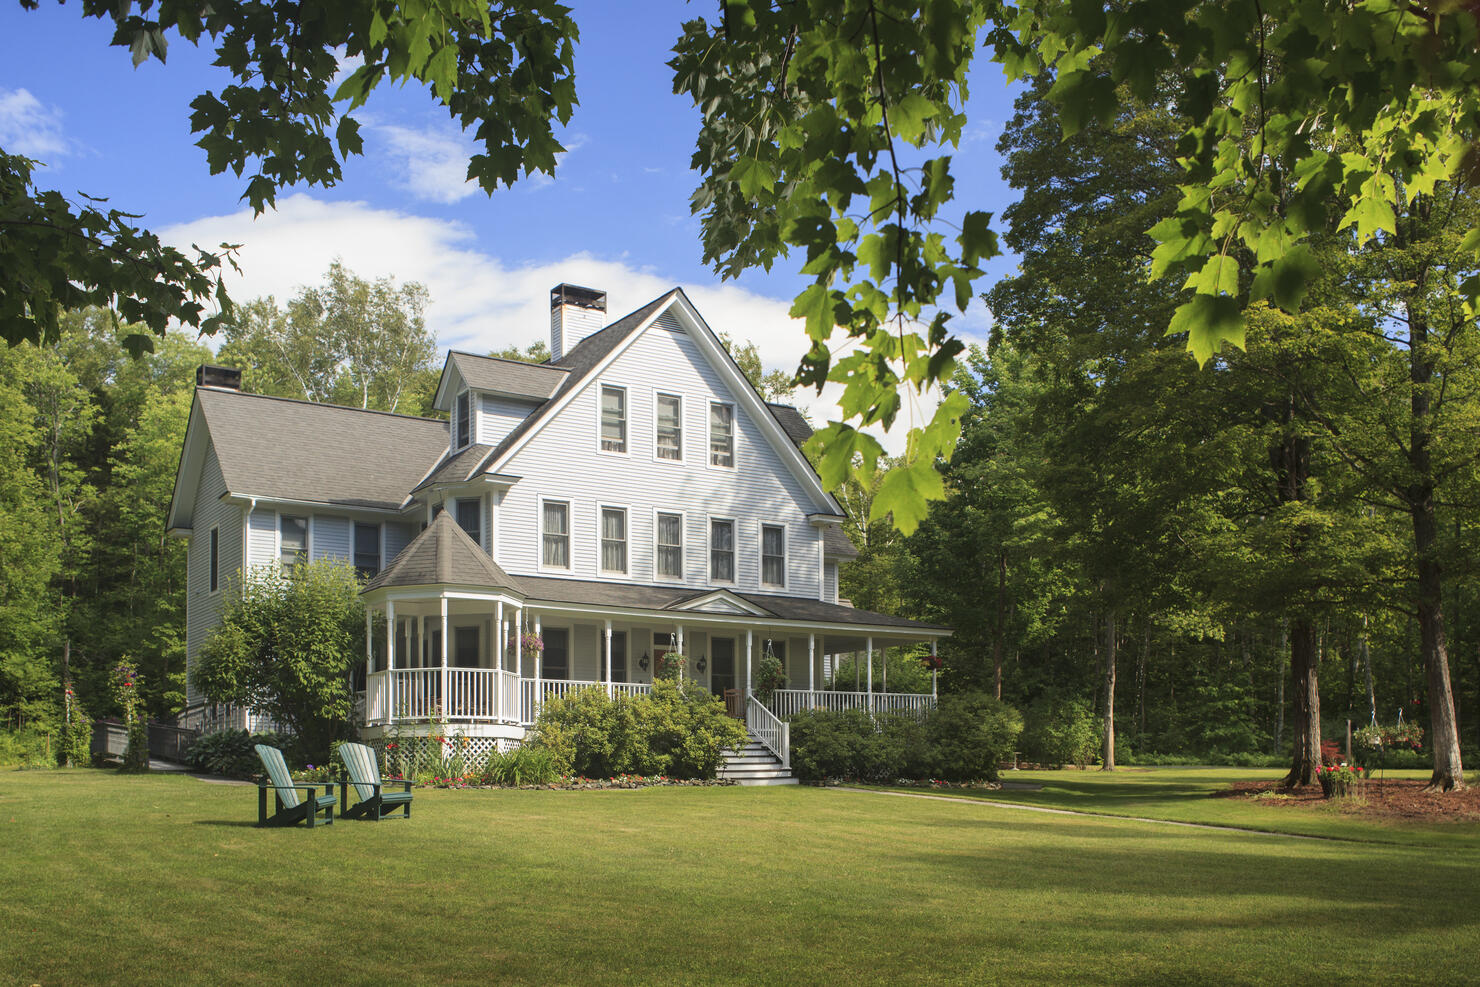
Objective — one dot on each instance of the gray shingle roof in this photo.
(836, 544)
(553, 590)
(457, 467)
(536, 381)
(443, 554)
(318, 453)
(792, 422)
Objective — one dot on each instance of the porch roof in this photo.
(538, 589)
(443, 554)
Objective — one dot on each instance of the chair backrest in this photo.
(272, 760)
(364, 772)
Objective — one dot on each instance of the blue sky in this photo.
(615, 217)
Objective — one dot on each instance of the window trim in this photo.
(734, 524)
(601, 570)
(657, 458)
(461, 438)
(683, 546)
(601, 390)
(785, 555)
(734, 436)
(213, 561)
(570, 557)
(457, 503)
(307, 536)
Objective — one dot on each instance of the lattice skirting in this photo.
(408, 750)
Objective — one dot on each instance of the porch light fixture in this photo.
(701, 664)
(643, 662)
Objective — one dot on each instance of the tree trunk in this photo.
(1279, 702)
(1304, 663)
(1109, 753)
(1001, 622)
(1443, 735)
(1366, 649)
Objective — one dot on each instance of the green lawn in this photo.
(163, 879)
(1186, 795)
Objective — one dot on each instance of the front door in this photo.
(722, 665)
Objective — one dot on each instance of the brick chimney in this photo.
(575, 313)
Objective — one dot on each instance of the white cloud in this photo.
(480, 302)
(30, 128)
(432, 163)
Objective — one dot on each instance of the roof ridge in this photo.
(547, 365)
(319, 404)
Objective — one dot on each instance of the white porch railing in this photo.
(785, 703)
(774, 734)
(534, 692)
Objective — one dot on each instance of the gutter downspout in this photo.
(247, 531)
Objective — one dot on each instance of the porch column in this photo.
(749, 642)
(519, 642)
(539, 670)
(933, 671)
(390, 637)
(444, 656)
(884, 656)
(369, 664)
(498, 660)
(870, 645)
(678, 628)
(606, 668)
(811, 665)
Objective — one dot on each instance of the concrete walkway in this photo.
(1098, 815)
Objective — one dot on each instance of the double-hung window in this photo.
(773, 555)
(470, 518)
(464, 421)
(722, 551)
(669, 562)
(556, 534)
(721, 435)
(555, 662)
(670, 427)
(614, 419)
(614, 539)
(292, 541)
(367, 549)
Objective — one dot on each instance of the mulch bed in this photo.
(1384, 798)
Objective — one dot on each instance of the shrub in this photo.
(676, 730)
(829, 745)
(1060, 731)
(969, 735)
(32, 746)
(230, 753)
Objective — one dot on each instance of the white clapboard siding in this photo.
(498, 416)
(397, 537)
(262, 540)
(561, 461)
(202, 607)
(331, 537)
(830, 582)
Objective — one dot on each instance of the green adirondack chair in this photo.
(364, 777)
(291, 806)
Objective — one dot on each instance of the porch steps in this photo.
(753, 764)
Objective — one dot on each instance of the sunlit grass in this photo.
(163, 879)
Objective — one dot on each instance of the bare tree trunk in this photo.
(1304, 664)
(1001, 622)
(1365, 648)
(1109, 754)
(1279, 702)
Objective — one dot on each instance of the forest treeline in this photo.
(1231, 559)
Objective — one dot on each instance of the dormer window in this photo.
(614, 419)
(464, 424)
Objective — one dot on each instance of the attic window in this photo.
(721, 435)
(614, 419)
(464, 422)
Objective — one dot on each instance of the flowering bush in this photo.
(1341, 780)
(1377, 737)
(126, 684)
(669, 665)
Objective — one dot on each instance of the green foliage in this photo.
(1060, 731)
(669, 666)
(503, 71)
(677, 730)
(347, 341)
(964, 739)
(520, 766)
(285, 647)
(970, 734)
(769, 676)
(231, 753)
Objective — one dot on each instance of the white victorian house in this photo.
(631, 496)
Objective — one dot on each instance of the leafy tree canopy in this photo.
(503, 71)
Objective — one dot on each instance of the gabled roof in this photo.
(458, 467)
(836, 544)
(578, 363)
(792, 422)
(496, 375)
(443, 554)
(284, 449)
